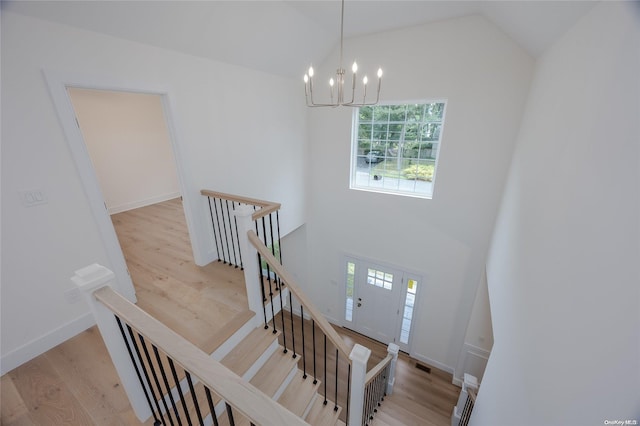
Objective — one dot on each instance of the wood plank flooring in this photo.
(75, 383)
(419, 397)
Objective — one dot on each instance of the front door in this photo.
(377, 295)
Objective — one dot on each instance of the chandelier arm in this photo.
(340, 81)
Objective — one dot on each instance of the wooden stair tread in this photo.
(274, 372)
(247, 352)
(298, 395)
(323, 415)
(217, 339)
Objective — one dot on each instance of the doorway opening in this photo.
(127, 139)
(380, 301)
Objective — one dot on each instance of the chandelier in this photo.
(336, 87)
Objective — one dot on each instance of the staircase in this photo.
(254, 372)
(260, 359)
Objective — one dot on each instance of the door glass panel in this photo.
(407, 316)
(351, 274)
(379, 279)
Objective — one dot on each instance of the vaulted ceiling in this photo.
(283, 37)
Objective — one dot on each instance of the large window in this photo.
(395, 147)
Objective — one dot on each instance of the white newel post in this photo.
(88, 280)
(392, 350)
(250, 262)
(359, 357)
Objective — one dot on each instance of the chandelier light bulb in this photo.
(331, 82)
(365, 80)
(306, 78)
(379, 72)
(310, 72)
(354, 68)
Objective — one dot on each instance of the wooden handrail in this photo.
(241, 395)
(266, 207)
(294, 288)
(371, 374)
(472, 394)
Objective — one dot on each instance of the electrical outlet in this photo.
(72, 295)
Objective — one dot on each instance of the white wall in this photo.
(564, 264)
(128, 141)
(221, 112)
(485, 77)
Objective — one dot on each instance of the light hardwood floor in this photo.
(76, 384)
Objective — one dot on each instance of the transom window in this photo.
(395, 147)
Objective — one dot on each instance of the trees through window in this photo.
(395, 147)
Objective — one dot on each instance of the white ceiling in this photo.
(283, 37)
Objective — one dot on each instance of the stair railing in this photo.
(253, 225)
(161, 372)
(466, 400)
(362, 389)
(224, 225)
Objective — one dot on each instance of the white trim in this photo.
(58, 83)
(45, 342)
(355, 123)
(143, 203)
(469, 350)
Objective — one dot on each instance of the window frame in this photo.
(353, 165)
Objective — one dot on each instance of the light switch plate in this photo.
(33, 197)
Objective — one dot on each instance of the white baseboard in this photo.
(38, 346)
(142, 203)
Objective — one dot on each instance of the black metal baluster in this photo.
(179, 388)
(226, 235)
(215, 207)
(325, 369)
(273, 315)
(212, 407)
(264, 298)
(146, 374)
(135, 366)
(284, 329)
(233, 243)
(194, 397)
(166, 383)
(235, 219)
(264, 234)
(279, 245)
(335, 401)
(293, 335)
(213, 225)
(155, 377)
(313, 330)
(273, 251)
(230, 414)
(348, 393)
(304, 352)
